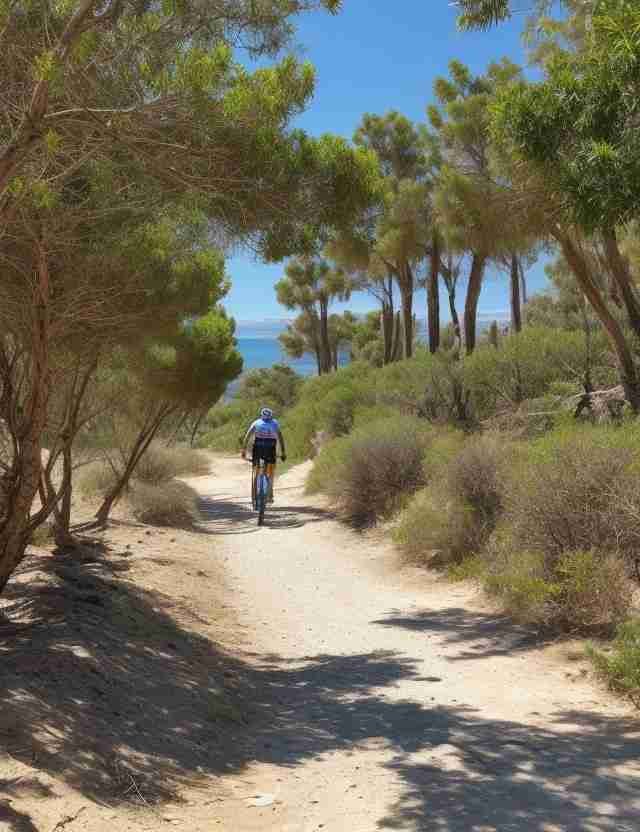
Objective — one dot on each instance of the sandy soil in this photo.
(293, 678)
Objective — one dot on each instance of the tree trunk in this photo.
(455, 318)
(433, 297)
(516, 307)
(580, 269)
(387, 319)
(471, 303)
(396, 348)
(619, 268)
(146, 436)
(325, 343)
(27, 465)
(406, 295)
(62, 513)
(523, 285)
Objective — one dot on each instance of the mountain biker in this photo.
(266, 435)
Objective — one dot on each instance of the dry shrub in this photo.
(575, 495)
(95, 479)
(476, 477)
(160, 464)
(168, 504)
(381, 466)
(435, 530)
(584, 591)
(456, 515)
(621, 668)
(43, 536)
(596, 593)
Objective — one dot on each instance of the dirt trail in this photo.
(391, 700)
(292, 678)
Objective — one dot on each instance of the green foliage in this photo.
(482, 14)
(214, 125)
(367, 341)
(526, 365)
(277, 387)
(326, 404)
(226, 424)
(311, 286)
(620, 668)
(578, 125)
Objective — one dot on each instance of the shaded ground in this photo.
(348, 695)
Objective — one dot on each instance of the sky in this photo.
(378, 55)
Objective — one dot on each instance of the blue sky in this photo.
(375, 56)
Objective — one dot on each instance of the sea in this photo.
(265, 352)
(259, 346)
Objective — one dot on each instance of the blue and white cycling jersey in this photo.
(265, 429)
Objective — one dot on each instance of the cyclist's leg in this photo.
(270, 471)
(254, 483)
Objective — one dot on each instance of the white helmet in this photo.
(266, 413)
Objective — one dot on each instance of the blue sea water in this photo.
(265, 352)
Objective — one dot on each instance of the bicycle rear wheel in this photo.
(261, 496)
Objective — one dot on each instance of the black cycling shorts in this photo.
(265, 449)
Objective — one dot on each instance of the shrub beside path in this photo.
(388, 699)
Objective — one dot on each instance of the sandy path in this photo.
(390, 700)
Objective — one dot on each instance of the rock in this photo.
(261, 800)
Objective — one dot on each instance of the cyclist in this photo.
(266, 435)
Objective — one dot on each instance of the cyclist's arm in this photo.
(247, 436)
(282, 448)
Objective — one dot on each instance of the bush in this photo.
(455, 516)
(583, 591)
(526, 365)
(577, 490)
(327, 403)
(167, 504)
(331, 459)
(435, 530)
(226, 424)
(476, 477)
(160, 464)
(42, 536)
(621, 669)
(276, 387)
(95, 479)
(370, 473)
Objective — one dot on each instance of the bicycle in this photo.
(261, 486)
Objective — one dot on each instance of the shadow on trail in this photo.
(486, 634)
(110, 687)
(232, 515)
(15, 820)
